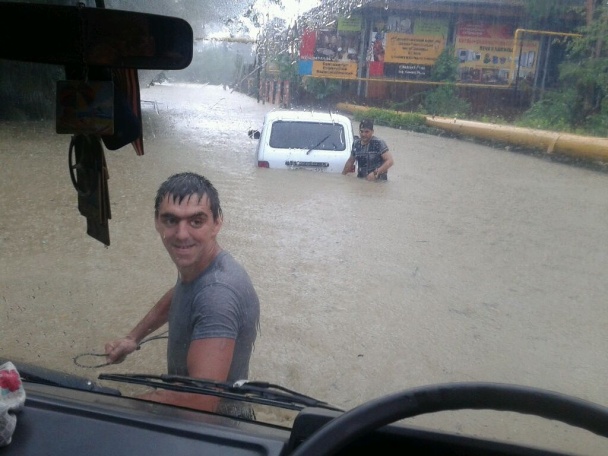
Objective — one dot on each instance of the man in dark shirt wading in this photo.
(371, 154)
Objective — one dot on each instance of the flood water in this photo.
(470, 264)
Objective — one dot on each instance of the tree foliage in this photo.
(543, 11)
(446, 66)
(580, 101)
(322, 88)
(557, 15)
(214, 64)
(236, 16)
(27, 90)
(444, 100)
(197, 12)
(586, 67)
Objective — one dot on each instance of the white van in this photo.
(319, 141)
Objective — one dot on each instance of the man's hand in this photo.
(117, 350)
(349, 166)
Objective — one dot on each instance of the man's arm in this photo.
(117, 350)
(349, 166)
(208, 359)
(386, 163)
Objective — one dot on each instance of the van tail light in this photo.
(263, 164)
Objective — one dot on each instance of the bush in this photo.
(597, 124)
(322, 88)
(444, 101)
(554, 112)
(446, 66)
(400, 120)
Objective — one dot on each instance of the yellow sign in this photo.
(491, 60)
(339, 70)
(413, 49)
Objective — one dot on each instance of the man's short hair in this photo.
(367, 124)
(183, 185)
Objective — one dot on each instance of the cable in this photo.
(95, 366)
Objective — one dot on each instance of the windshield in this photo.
(481, 257)
(307, 135)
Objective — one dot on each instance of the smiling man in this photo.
(371, 154)
(213, 309)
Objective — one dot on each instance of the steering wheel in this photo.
(81, 163)
(357, 422)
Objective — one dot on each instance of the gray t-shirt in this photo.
(222, 303)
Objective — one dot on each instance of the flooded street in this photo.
(470, 264)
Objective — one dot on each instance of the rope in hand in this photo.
(95, 366)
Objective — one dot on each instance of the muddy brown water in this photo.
(471, 263)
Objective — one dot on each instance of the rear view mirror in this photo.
(65, 35)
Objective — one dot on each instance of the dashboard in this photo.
(61, 421)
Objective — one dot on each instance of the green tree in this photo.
(545, 8)
(586, 68)
(580, 101)
(196, 12)
(213, 63)
(444, 100)
(446, 66)
(322, 89)
(37, 82)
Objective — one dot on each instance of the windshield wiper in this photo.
(243, 390)
(318, 144)
(44, 376)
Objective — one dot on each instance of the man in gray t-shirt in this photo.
(221, 302)
(213, 311)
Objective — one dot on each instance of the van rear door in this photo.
(307, 144)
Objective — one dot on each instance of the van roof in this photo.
(301, 115)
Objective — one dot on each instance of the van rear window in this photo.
(307, 135)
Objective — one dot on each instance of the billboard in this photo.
(406, 48)
(409, 47)
(486, 55)
(332, 53)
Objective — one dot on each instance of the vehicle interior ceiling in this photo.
(60, 42)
